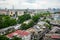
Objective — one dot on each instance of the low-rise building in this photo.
(55, 22)
(21, 34)
(12, 12)
(37, 32)
(54, 34)
(41, 23)
(16, 12)
(52, 37)
(34, 33)
(9, 29)
(6, 30)
(3, 12)
(56, 15)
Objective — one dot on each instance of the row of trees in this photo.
(25, 26)
(35, 19)
(24, 17)
(37, 16)
(6, 21)
(3, 37)
(46, 15)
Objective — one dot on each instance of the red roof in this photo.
(18, 32)
(55, 36)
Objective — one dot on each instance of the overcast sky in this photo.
(32, 4)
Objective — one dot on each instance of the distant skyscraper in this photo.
(12, 6)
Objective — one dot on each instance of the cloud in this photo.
(32, 4)
(31, 1)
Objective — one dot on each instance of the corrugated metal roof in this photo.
(19, 33)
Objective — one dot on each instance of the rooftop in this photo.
(41, 23)
(20, 33)
(55, 36)
(55, 30)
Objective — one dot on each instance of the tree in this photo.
(48, 25)
(6, 21)
(13, 22)
(3, 37)
(16, 38)
(24, 26)
(31, 24)
(35, 18)
(46, 14)
(24, 17)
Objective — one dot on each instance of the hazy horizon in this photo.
(31, 4)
